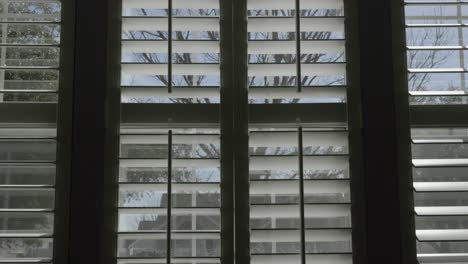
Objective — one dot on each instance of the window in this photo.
(233, 132)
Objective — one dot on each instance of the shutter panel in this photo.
(154, 166)
(169, 176)
(273, 52)
(436, 66)
(300, 205)
(30, 33)
(170, 57)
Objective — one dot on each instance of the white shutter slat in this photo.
(441, 186)
(294, 235)
(442, 235)
(152, 163)
(305, 4)
(443, 258)
(290, 69)
(176, 187)
(178, 24)
(292, 187)
(176, 4)
(288, 162)
(292, 211)
(289, 139)
(291, 92)
(440, 162)
(162, 139)
(177, 69)
(288, 24)
(164, 260)
(174, 235)
(441, 210)
(296, 259)
(149, 93)
(185, 46)
(289, 47)
(174, 211)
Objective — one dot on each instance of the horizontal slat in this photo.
(305, 4)
(441, 186)
(310, 163)
(318, 258)
(438, 93)
(25, 260)
(437, 47)
(174, 235)
(164, 260)
(25, 210)
(288, 24)
(174, 211)
(329, 235)
(442, 235)
(178, 24)
(289, 47)
(163, 139)
(289, 139)
(176, 4)
(162, 163)
(187, 46)
(292, 211)
(292, 187)
(322, 69)
(443, 258)
(438, 70)
(454, 140)
(36, 132)
(427, 163)
(149, 93)
(25, 235)
(441, 210)
(176, 187)
(23, 187)
(432, 25)
(177, 69)
(291, 92)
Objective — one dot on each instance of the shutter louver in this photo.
(436, 40)
(29, 81)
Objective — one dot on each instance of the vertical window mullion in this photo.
(241, 133)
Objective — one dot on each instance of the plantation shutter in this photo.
(300, 203)
(436, 39)
(33, 99)
(169, 175)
